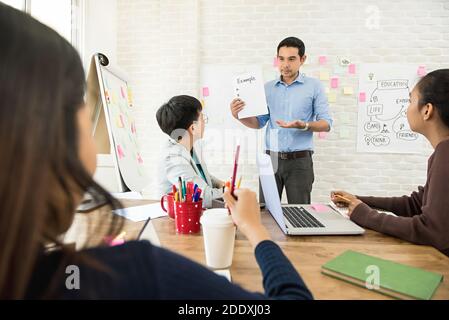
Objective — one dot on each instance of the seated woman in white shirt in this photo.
(181, 118)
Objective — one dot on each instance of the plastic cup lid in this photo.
(218, 217)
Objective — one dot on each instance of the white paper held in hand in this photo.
(249, 87)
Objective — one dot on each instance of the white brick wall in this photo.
(161, 45)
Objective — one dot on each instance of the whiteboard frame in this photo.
(101, 61)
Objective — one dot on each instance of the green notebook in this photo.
(387, 277)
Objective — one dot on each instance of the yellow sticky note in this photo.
(348, 90)
(203, 104)
(332, 97)
(130, 97)
(324, 75)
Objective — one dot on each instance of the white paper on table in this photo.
(344, 210)
(249, 87)
(141, 213)
(128, 195)
(149, 233)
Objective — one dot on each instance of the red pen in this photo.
(190, 187)
(234, 173)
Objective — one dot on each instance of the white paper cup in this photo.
(219, 235)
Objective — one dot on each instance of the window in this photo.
(55, 14)
(64, 16)
(18, 4)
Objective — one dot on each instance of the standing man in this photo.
(297, 107)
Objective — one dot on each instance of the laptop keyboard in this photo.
(300, 218)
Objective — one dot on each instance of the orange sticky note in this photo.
(130, 97)
(108, 98)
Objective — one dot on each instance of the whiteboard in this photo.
(117, 101)
(382, 109)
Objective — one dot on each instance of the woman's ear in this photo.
(427, 111)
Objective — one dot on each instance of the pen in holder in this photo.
(187, 216)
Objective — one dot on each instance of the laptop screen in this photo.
(269, 188)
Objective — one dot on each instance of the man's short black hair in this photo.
(293, 42)
(178, 113)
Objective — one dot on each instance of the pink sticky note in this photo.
(122, 92)
(334, 82)
(351, 68)
(322, 135)
(320, 207)
(422, 71)
(139, 158)
(205, 91)
(120, 152)
(322, 60)
(275, 62)
(362, 96)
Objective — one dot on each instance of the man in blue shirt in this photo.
(297, 107)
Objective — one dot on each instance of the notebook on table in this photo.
(384, 276)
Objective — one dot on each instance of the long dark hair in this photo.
(41, 176)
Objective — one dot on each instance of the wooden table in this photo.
(307, 253)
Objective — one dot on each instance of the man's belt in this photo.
(290, 155)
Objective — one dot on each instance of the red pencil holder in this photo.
(187, 216)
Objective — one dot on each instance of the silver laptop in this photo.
(300, 219)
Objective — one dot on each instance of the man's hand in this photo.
(297, 124)
(237, 105)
